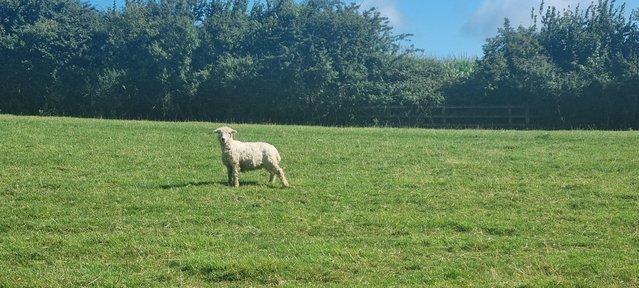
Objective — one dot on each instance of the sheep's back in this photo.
(254, 155)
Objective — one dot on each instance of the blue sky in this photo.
(450, 28)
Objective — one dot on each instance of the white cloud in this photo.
(491, 13)
(388, 9)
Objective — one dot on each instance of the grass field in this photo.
(130, 203)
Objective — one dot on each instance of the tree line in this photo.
(576, 68)
(311, 62)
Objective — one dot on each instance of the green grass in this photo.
(134, 203)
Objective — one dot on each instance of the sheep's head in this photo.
(225, 134)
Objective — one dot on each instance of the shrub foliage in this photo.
(310, 62)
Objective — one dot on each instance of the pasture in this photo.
(87, 202)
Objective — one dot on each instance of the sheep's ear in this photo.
(216, 131)
(233, 131)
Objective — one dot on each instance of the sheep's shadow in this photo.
(242, 183)
(206, 183)
(188, 184)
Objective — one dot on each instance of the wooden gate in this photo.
(451, 116)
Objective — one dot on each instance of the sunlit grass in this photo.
(129, 203)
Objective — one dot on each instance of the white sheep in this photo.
(246, 156)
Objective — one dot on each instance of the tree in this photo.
(573, 68)
(150, 47)
(49, 51)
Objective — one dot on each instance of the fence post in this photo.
(510, 115)
(444, 115)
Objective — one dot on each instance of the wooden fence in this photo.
(507, 116)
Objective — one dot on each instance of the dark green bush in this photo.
(312, 62)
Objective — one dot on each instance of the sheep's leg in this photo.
(276, 170)
(271, 177)
(235, 176)
(229, 174)
(280, 174)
